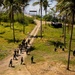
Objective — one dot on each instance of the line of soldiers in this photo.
(22, 47)
(55, 49)
(11, 62)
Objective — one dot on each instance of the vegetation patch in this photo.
(6, 37)
(44, 48)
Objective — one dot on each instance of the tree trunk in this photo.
(45, 19)
(65, 31)
(41, 18)
(14, 33)
(0, 22)
(13, 24)
(23, 29)
(65, 35)
(10, 16)
(70, 43)
(23, 25)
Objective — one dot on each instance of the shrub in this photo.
(4, 17)
(30, 20)
(38, 16)
(23, 19)
(50, 18)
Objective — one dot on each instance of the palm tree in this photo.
(69, 5)
(12, 7)
(8, 6)
(72, 5)
(45, 5)
(53, 11)
(23, 4)
(41, 16)
(1, 2)
(60, 7)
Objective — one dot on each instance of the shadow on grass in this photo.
(73, 39)
(55, 43)
(17, 29)
(31, 48)
(2, 32)
(6, 26)
(11, 40)
(31, 36)
(20, 30)
(1, 36)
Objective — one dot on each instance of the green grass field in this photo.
(6, 38)
(44, 48)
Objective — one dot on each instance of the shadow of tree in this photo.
(31, 36)
(11, 40)
(55, 43)
(71, 70)
(31, 48)
(6, 26)
(1, 36)
(2, 32)
(73, 39)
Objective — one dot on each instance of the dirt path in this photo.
(41, 68)
(34, 31)
(18, 69)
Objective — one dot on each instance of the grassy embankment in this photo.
(6, 37)
(44, 48)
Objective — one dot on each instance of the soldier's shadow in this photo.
(24, 64)
(13, 66)
(34, 63)
(72, 70)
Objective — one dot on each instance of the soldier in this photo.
(32, 59)
(17, 51)
(19, 46)
(23, 43)
(26, 44)
(28, 41)
(20, 50)
(14, 57)
(10, 63)
(24, 40)
(60, 46)
(21, 60)
(74, 53)
(55, 49)
(27, 51)
(62, 49)
(15, 54)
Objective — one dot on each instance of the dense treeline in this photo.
(4, 17)
(14, 12)
(49, 17)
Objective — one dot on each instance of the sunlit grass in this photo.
(44, 48)
(6, 37)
